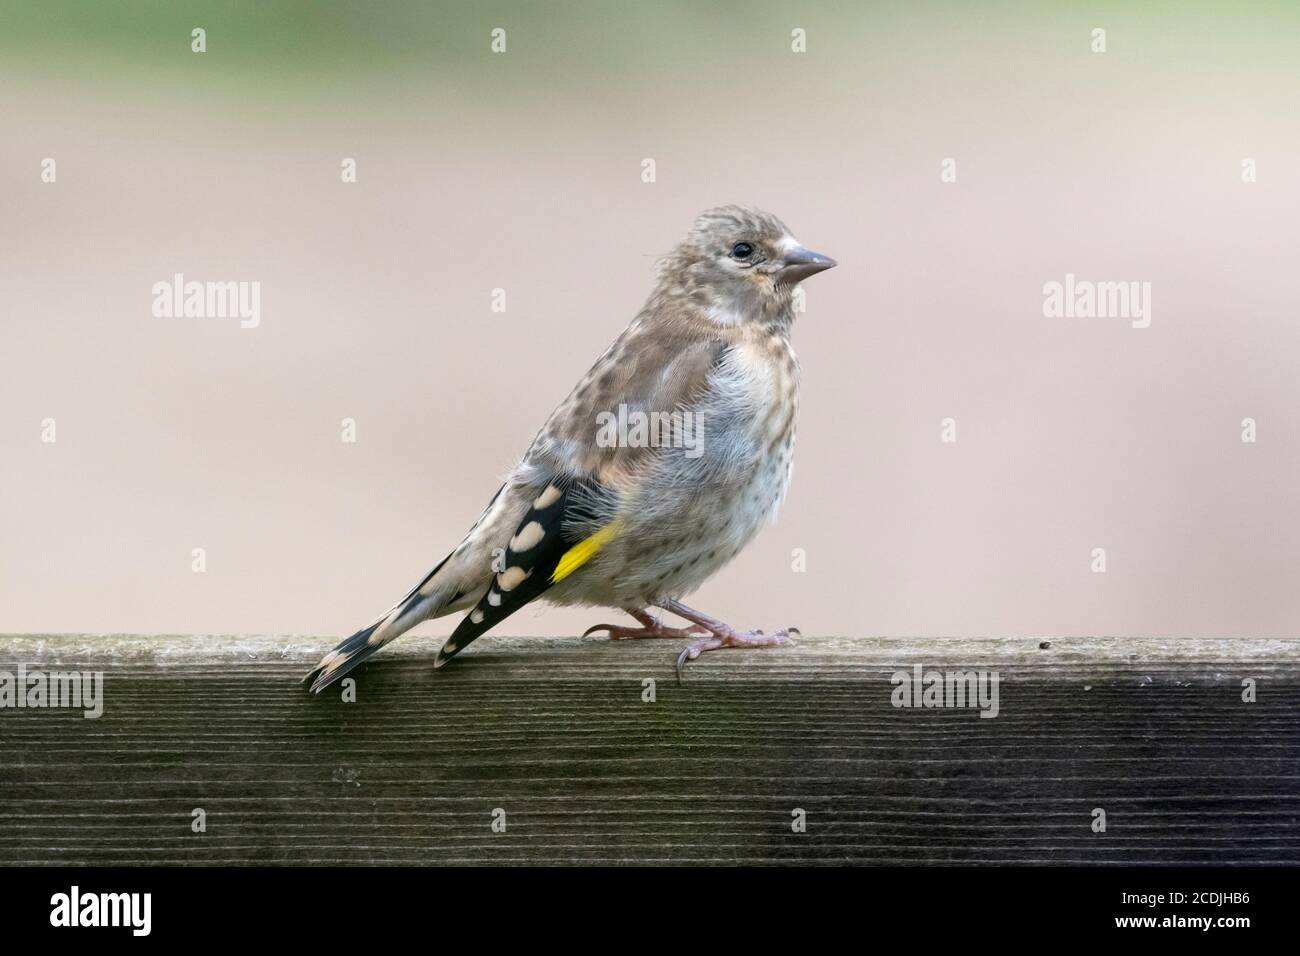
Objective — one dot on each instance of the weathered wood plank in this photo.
(555, 733)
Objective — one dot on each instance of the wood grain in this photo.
(555, 733)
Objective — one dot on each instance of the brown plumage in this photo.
(602, 513)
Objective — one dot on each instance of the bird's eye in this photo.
(742, 250)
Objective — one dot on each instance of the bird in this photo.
(661, 465)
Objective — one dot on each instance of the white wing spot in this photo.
(511, 578)
(528, 537)
(547, 498)
(476, 617)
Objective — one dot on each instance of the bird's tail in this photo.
(421, 603)
(348, 654)
(459, 580)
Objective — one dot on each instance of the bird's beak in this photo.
(800, 263)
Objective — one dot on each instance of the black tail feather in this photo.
(349, 654)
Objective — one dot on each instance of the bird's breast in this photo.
(772, 383)
(762, 441)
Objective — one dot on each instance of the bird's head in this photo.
(742, 264)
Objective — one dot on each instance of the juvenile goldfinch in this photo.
(663, 462)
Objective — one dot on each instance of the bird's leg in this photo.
(651, 626)
(720, 634)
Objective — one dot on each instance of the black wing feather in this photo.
(568, 508)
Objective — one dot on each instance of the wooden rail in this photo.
(555, 739)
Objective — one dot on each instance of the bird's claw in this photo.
(618, 633)
(754, 638)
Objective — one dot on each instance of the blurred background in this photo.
(522, 171)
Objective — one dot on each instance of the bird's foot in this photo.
(650, 627)
(727, 637)
(721, 634)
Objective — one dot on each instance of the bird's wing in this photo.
(531, 562)
(650, 368)
(582, 480)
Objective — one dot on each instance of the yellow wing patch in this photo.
(584, 551)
